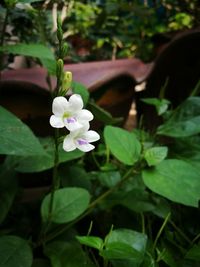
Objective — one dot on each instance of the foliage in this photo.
(129, 203)
(104, 29)
(147, 188)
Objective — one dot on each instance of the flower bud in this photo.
(59, 68)
(66, 82)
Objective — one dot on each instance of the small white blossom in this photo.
(80, 139)
(69, 113)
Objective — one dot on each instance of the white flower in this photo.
(80, 139)
(69, 114)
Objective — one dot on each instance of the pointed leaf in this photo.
(17, 138)
(91, 241)
(125, 244)
(123, 144)
(155, 155)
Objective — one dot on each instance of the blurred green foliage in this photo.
(102, 29)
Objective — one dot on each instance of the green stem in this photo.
(56, 180)
(160, 231)
(195, 239)
(180, 232)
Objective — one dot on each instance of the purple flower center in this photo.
(82, 142)
(71, 120)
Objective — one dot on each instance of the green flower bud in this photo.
(66, 82)
(59, 68)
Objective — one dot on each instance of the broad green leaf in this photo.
(80, 89)
(122, 144)
(49, 64)
(15, 251)
(125, 244)
(155, 155)
(41, 163)
(68, 204)
(109, 178)
(64, 254)
(16, 137)
(184, 121)
(8, 189)
(103, 115)
(33, 50)
(91, 241)
(161, 105)
(194, 253)
(175, 180)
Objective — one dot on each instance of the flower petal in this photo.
(72, 124)
(85, 115)
(91, 136)
(84, 146)
(56, 122)
(60, 105)
(76, 103)
(69, 144)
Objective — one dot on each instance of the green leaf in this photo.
(42, 163)
(161, 105)
(103, 115)
(64, 254)
(17, 138)
(68, 204)
(49, 64)
(184, 121)
(109, 178)
(33, 50)
(125, 244)
(15, 251)
(91, 241)
(80, 89)
(155, 155)
(194, 253)
(122, 144)
(175, 180)
(8, 189)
